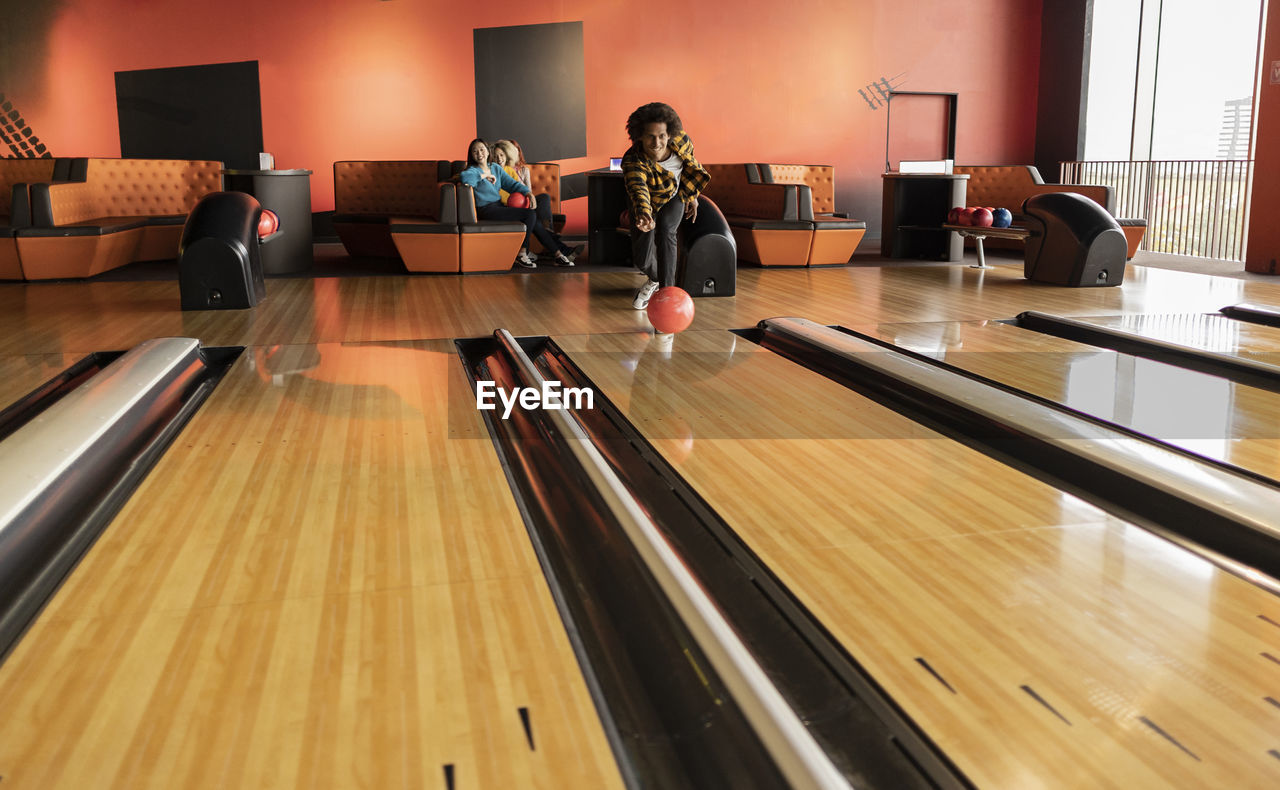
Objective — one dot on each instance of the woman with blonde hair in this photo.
(510, 156)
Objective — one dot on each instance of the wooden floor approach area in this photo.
(326, 582)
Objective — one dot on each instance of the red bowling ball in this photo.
(268, 223)
(670, 309)
(518, 200)
(981, 218)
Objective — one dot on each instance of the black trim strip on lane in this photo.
(29, 406)
(1222, 515)
(82, 461)
(1234, 368)
(1253, 313)
(668, 715)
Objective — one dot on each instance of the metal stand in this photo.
(977, 243)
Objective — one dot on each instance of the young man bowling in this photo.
(663, 180)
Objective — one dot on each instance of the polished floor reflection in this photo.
(326, 581)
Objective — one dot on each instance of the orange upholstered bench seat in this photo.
(835, 236)
(784, 215)
(15, 206)
(124, 210)
(415, 211)
(764, 218)
(368, 194)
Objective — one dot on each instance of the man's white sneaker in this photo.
(527, 260)
(644, 295)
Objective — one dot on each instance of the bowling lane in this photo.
(324, 583)
(1065, 642)
(1205, 414)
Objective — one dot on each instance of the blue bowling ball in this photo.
(1001, 218)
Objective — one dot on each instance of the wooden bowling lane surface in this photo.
(1205, 414)
(325, 582)
(90, 316)
(21, 374)
(1037, 640)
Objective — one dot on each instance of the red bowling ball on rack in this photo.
(268, 223)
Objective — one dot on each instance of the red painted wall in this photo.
(1263, 251)
(754, 80)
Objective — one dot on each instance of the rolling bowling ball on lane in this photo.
(670, 309)
(517, 200)
(1001, 218)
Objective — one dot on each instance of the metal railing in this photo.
(1192, 206)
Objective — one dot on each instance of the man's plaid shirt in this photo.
(650, 186)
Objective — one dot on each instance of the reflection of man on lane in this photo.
(658, 168)
(668, 386)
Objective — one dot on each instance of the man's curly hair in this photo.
(653, 112)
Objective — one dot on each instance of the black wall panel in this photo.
(530, 87)
(192, 112)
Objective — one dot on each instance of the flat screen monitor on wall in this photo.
(209, 112)
(920, 127)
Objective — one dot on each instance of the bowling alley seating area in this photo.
(417, 211)
(116, 212)
(15, 207)
(784, 215)
(1009, 186)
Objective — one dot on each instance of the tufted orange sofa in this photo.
(545, 180)
(775, 217)
(369, 195)
(1008, 186)
(413, 210)
(124, 210)
(15, 207)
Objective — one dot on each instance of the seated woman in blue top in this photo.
(487, 178)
